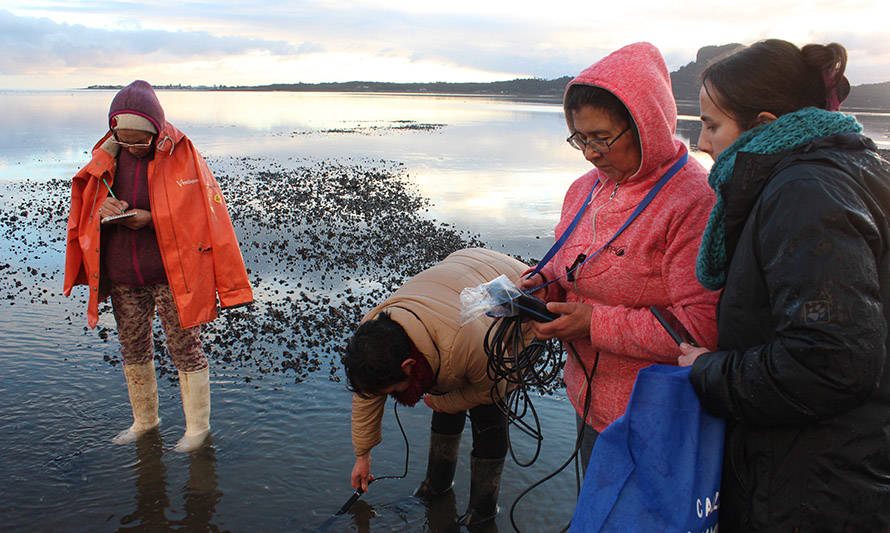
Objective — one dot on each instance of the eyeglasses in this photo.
(115, 140)
(600, 146)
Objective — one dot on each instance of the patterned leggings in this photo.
(134, 309)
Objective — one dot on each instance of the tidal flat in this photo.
(324, 241)
(335, 205)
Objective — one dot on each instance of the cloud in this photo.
(37, 45)
(870, 43)
(324, 40)
(492, 41)
(497, 44)
(868, 57)
(494, 44)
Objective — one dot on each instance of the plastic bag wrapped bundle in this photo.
(494, 298)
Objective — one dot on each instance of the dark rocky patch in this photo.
(323, 243)
(375, 128)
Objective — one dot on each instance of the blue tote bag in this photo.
(656, 468)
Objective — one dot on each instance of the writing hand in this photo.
(112, 206)
(141, 219)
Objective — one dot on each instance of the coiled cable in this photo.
(527, 368)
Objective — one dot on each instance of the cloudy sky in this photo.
(49, 44)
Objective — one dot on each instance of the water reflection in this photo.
(408, 514)
(152, 501)
(48, 133)
(200, 492)
(441, 514)
(497, 168)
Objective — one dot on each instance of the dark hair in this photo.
(579, 96)
(778, 77)
(374, 355)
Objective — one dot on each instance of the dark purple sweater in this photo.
(130, 257)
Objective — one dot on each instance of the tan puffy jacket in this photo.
(427, 306)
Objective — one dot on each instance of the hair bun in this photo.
(830, 61)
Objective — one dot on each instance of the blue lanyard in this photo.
(565, 235)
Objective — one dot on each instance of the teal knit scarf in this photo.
(788, 131)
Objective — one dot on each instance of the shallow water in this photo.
(280, 453)
(278, 460)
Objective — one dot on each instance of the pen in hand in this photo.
(111, 192)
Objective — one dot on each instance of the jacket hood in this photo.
(138, 98)
(638, 76)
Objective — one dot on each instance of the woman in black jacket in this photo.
(799, 240)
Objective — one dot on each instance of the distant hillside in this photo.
(686, 84)
(869, 96)
(684, 81)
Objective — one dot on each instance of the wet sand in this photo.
(323, 242)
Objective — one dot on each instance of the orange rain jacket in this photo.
(198, 245)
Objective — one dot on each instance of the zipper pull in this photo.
(614, 191)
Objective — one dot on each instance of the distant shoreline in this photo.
(873, 97)
(686, 106)
(551, 90)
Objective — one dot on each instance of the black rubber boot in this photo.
(440, 466)
(485, 483)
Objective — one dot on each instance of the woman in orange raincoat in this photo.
(149, 227)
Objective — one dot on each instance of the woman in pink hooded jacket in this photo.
(622, 116)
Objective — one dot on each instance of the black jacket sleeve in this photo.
(815, 246)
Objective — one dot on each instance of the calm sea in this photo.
(280, 455)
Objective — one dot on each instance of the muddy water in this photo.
(336, 202)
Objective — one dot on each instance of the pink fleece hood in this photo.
(638, 76)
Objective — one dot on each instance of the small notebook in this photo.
(115, 217)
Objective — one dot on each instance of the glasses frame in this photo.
(600, 146)
(122, 144)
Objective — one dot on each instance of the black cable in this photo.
(574, 455)
(524, 368)
(395, 408)
(358, 492)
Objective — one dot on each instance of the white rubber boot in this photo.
(142, 386)
(195, 389)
